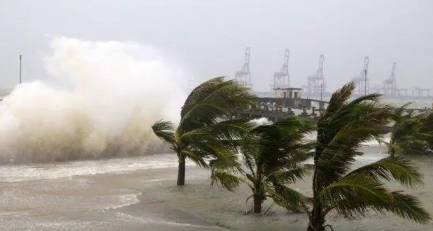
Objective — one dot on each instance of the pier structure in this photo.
(278, 108)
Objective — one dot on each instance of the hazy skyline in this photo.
(208, 38)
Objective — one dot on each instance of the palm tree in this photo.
(408, 135)
(206, 128)
(427, 127)
(271, 159)
(341, 130)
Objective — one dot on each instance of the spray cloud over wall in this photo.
(115, 92)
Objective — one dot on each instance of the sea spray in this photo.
(110, 93)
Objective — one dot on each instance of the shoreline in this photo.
(148, 199)
(199, 206)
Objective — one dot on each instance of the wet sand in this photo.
(147, 199)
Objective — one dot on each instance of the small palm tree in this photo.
(407, 133)
(271, 160)
(341, 130)
(206, 128)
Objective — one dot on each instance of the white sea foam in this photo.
(125, 200)
(102, 101)
(31, 172)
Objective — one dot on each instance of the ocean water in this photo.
(139, 194)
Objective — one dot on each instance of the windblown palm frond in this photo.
(226, 179)
(228, 132)
(164, 130)
(392, 168)
(213, 101)
(206, 119)
(207, 129)
(361, 197)
(359, 194)
(283, 143)
(427, 127)
(288, 176)
(271, 156)
(342, 195)
(408, 207)
(288, 198)
(341, 130)
(408, 135)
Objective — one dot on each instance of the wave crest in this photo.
(101, 101)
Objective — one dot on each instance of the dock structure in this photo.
(277, 108)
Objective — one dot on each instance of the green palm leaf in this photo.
(408, 207)
(344, 131)
(364, 188)
(226, 179)
(207, 130)
(391, 168)
(288, 198)
(341, 130)
(214, 99)
(271, 155)
(288, 176)
(164, 130)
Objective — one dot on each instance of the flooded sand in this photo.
(140, 194)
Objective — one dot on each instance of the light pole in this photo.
(365, 82)
(366, 61)
(20, 67)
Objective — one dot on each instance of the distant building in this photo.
(289, 92)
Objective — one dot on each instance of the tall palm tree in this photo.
(408, 135)
(206, 128)
(341, 130)
(271, 160)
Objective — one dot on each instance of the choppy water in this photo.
(105, 195)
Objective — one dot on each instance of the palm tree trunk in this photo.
(317, 220)
(181, 172)
(317, 224)
(258, 201)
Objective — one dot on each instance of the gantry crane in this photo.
(243, 77)
(361, 81)
(282, 78)
(316, 83)
(390, 84)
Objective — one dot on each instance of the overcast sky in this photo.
(209, 37)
